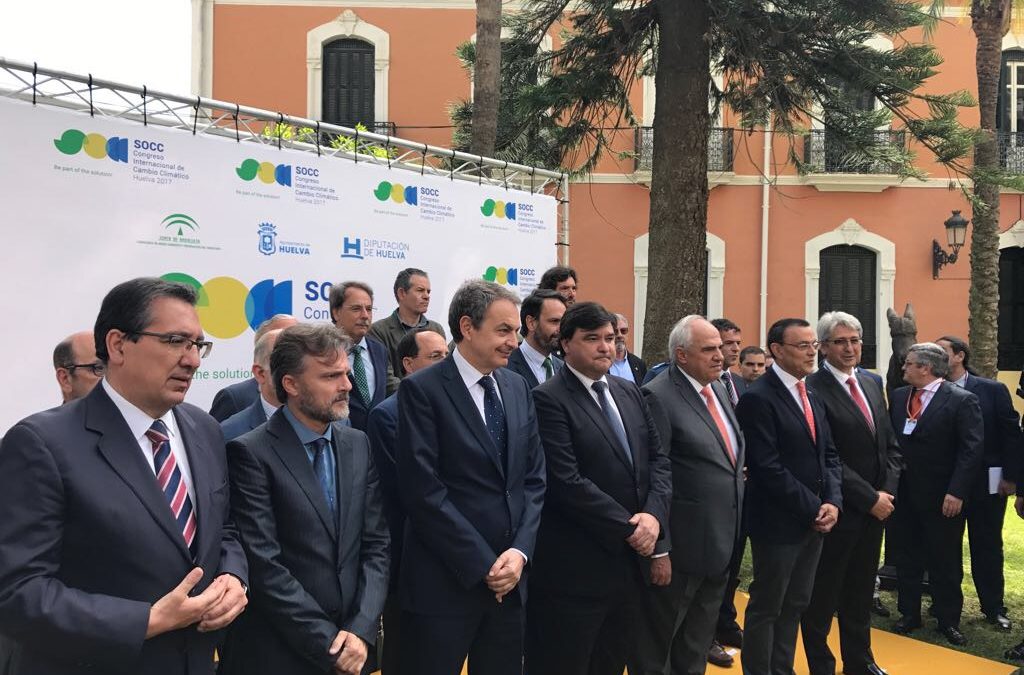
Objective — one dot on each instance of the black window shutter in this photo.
(1011, 309)
(848, 284)
(348, 83)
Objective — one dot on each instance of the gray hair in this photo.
(829, 321)
(933, 356)
(339, 291)
(295, 343)
(682, 334)
(264, 345)
(268, 326)
(472, 300)
(620, 317)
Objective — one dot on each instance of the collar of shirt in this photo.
(840, 375)
(588, 383)
(697, 386)
(933, 386)
(532, 355)
(789, 382)
(422, 323)
(138, 421)
(361, 343)
(268, 409)
(962, 381)
(470, 375)
(305, 434)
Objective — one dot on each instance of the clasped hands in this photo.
(213, 609)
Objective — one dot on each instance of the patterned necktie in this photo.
(855, 394)
(359, 374)
(613, 420)
(549, 370)
(916, 404)
(323, 473)
(730, 387)
(719, 422)
(494, 417)
(808, 414)
(170, 482)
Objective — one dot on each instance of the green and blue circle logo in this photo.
(226, 307)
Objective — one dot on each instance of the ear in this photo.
(288, 382)
(908, 313)
(406, 360)
(64, 380)
(891, 316)
(116, 341)
(465, 326)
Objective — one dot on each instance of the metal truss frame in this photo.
(245, 124)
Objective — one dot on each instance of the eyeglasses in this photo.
(842, 342)
(96, 369)
(182, 343)
(361, 308)
(803, 346)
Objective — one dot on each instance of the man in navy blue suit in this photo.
(793, 493)
(240, 395)
(541, 315)
(266, 404)
(471, 476)
(985, 508)
(419, 348)
(116, 552)
(372, 379)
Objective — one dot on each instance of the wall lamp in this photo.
(956, 234)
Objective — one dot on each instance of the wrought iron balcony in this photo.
(825, 154)
(1011, 151)
(719, 149)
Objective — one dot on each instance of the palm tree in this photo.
(486, 77)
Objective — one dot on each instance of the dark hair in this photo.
(584, 316)
(62, 354)
(747, 351)
(319, 340)
(339, 291)
(409, 345)
(556, 275)
(724, 325)
(472, 300)
(778, 330)
(533, 304)
(959, 346)
(126, 308)
(404, 279)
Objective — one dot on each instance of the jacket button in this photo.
(508, 495)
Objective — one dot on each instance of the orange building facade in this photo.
(779, 244)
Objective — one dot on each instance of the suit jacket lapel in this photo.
(343, 478)
(700, 407)
(198, 456)
(841, 395)
(122, 451)
(523, 368)
(624, 404)
(464, 403)
(939, 399)
(292, 453)
(790, 403)
(585, 401)
(378, 355)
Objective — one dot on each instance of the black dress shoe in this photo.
(732, 638)
(1000, 621)
(878, 608)
(953, 635)
(906, 624)
(717, 656)
(1015, 653)
(869, 669)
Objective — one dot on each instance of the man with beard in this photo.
(307, 504)
(541, 315)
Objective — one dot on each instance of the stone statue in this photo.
(904, 334)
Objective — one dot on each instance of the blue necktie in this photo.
(613, 420)
(323, 476)
(494, 417)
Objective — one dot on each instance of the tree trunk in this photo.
(486, 77)
(989, 19)
(679, 180)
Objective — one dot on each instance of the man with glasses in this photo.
(370, 372)
(941, 434)
(793, 495)
(845, 580)
(118, 555)
(77, 368)
(626, 365)
(418, 349)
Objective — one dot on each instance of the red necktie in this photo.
(859, 400)
(808, 415)
(719, 422)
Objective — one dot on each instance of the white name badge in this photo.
(909, 426)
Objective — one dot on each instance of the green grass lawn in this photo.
(983, 639)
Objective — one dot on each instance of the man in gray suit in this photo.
(307, 503)
(690, 566)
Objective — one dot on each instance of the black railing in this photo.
(719, 149)
(826, 154)
(1011, 151)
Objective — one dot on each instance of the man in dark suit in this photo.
(793, 495)
(307, 503)
(418, 349)
(1000, 464)
(76, 366)
(240, 395)
(116, 553)
(701, 436)
(845, 579)
(732, 338)
(266, 404)
(471, 475)
(372, 379)
(751, 366)
(940, 431)
(606, 505)
(541, 315)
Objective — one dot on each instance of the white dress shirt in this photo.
(140, 422)
(927, 393)
(588, 384)
(790, 383)
(535, 360)
(843, 378)
(268, 409)
(471, 377)
(698, 387)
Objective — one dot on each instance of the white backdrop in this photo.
(89, 202)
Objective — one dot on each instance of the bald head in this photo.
(75, 364)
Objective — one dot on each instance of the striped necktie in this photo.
(170, 482)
